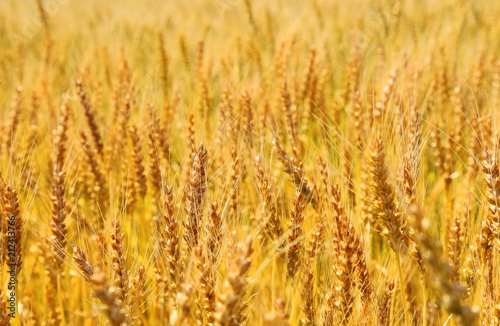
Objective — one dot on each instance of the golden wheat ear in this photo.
(137, 295)
(60, 134)
(438, 264)
(89, 115)
(232, 305)
(13, 220)
(294, 167)
(84, 266)
(195, 198)
(384, 315)
(119, 261)
(171, 244)
(307, 293)
(295, 236)
(138, 164)
(111, 306)
(157, 144)
(489, 227)
(271, 224)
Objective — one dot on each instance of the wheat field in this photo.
(249, 162)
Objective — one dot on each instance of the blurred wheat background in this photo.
(245, 162)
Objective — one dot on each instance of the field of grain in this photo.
(249, 162)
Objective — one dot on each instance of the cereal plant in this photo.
(249, 162)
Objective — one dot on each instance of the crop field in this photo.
(249, 162)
